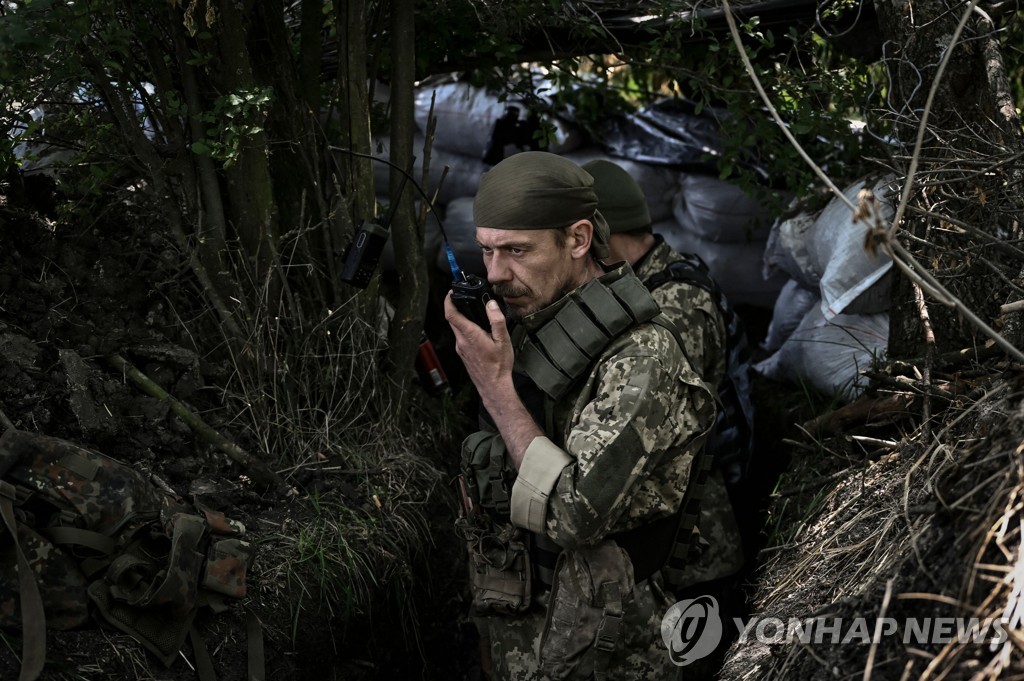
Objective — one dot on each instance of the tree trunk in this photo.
(296, 168)
(250, 190)
(406, 232)
(971, 133)
(355, 197)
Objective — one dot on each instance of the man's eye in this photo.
(515, 251)
(486, 250)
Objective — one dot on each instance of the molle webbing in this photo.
(687, 546)
(561, 351)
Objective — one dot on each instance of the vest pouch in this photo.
(227, 563)
(591, 588)
(499, 566)
(488, 473)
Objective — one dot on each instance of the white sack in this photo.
(790, 308)
(788, 250)
(830, 354)
(828, 251)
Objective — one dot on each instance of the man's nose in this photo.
(497, 269)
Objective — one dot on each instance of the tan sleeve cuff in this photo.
(542, 465)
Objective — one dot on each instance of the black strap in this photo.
(201, 654)
(256, 657)
(33, 619)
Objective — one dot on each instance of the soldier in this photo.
(686, 299)
(593, 417)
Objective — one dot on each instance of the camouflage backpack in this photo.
(93, 537)
(732, 439)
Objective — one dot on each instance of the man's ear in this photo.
(580, 235)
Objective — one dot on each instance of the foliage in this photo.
(195, 111)
(235, 117)
(818, 90)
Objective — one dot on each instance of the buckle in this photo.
(608, 632)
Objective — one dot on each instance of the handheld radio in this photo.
(470, 293)
(363, 253)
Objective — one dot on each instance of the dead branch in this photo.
(858, 412)
(260, 472)
(956, 358)
(929, 353)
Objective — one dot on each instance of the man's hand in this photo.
(488, 358)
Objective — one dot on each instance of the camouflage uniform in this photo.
(617, 457)
(702, 330)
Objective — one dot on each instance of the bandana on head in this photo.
(539, 190)
(620, 198)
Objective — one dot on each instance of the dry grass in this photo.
(931, 530)
(308, 395)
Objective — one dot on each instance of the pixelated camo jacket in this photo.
(694, 313)
(632, 428)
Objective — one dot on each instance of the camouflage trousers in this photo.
(640, 656)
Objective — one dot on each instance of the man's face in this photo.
(529, 268)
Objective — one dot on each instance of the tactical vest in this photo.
(552, 357)
(732, 440)
(82, 534)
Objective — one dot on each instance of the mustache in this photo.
(510, 291)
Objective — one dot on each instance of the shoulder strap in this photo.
(691, 269)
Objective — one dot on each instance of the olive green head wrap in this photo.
(619, 198)
(539, 190)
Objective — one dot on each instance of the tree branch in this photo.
(260, 472)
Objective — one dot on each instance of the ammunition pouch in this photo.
(583, 628)
(557, 346)
(488, 473)
(499, 566)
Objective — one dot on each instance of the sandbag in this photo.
(462, 179)
(735, 266)
(790, 308)
(468, 116)
(461, 231)
(718, 210)
(830, 354)
(828, 251)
